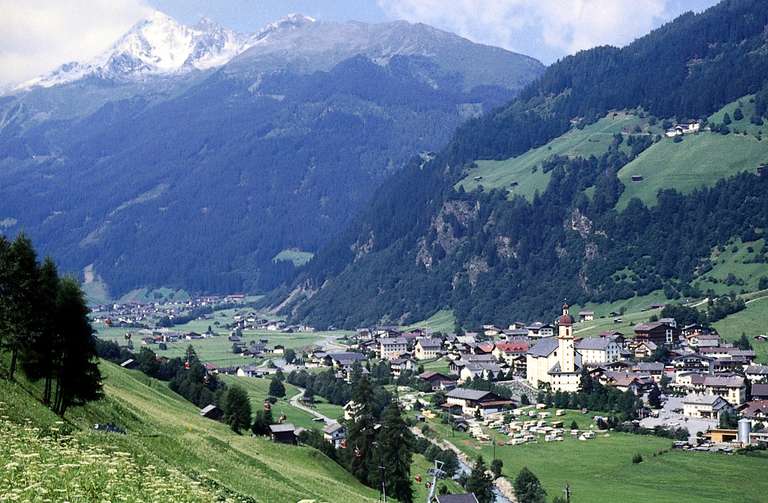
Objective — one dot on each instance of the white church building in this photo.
(555, 361)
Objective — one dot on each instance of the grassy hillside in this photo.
(699, 160)
(734, 268)
(751, 321)
(441, 321)
(296, 257)
(593, 139)
(165, 431)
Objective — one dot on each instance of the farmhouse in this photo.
(212, 412)
(586, 316)
(438, 380)
(683, 129)
(336, 434)
(428, 348)
(283, 433)
(469, 401)
(392, 347)
(538, 330)
(705, 406)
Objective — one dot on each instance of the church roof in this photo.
(544, 347)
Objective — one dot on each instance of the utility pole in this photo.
(567, 492)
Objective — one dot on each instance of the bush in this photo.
(637, 459)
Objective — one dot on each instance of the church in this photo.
(554, 360)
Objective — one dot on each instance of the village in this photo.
(686, 378)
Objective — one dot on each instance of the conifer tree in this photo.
(362, 434)
(21, 317)
(276, 388)
(394, 453)
(528, 489)
(78, 379)
(41, 352)
(237, 409)
(480, 483)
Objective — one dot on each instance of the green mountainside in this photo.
(536, 202)
(168, 451)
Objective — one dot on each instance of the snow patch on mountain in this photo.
(159, 45)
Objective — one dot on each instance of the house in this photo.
(470, 401)
(691, 363)
(756, 411)
(757, 373)
(513, 353)
(654, 369)
(598, 350)
(760, 392)
(392, 347)
(456, 498)
(336, 434)
(212, 412)
(642, 349)
(283, 433)
(731, 388)
(248, 371)
(702, 340)
(345, 359)
(427, 349)
(279, 349)
(539, 330)
(661, 333)
(489, 371)
(555, 361)
(586, 316)
(683, 129)
(437, 380)
(398, 365)
(627, 381)
(705, 406)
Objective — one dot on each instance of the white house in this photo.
(598, 350)
(335, 433)
(392, 347)
(705, 406)
(428, 348)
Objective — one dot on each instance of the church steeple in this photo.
(566, 352)
(565, 323)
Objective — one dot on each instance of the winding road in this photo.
(295, 401)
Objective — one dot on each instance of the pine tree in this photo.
(496, 467)
(362, 434)
(480, 483)
(77, 374)
(394, 450)
(237, 409)
(276, 388)
(21, 318)
(528, 489)
(41, 353)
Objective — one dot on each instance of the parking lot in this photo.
(671, 416)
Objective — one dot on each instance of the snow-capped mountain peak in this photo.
(156, 45)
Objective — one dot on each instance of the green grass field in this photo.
(167, 432)
(735, 260)
(297, 257)
(601, 470)
(751, 321)
(699, 160)
(442, 321)
(258, 390)
(525, 169)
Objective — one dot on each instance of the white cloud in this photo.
(38, 35)
(543, 28)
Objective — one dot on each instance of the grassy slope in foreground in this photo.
(164, 430)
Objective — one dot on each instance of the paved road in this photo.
(295, 402)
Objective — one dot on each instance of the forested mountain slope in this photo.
(205, 180)
(435, 238)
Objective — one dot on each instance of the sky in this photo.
(38, 35)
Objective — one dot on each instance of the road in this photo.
(502, 487)
(295, 401)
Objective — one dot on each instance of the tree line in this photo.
(44, 327)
